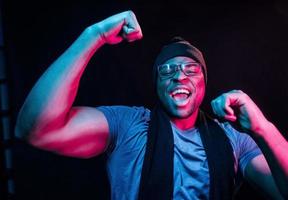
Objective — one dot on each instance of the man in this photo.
(173, 151)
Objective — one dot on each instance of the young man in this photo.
(174, 151)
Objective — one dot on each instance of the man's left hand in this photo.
(237, 106)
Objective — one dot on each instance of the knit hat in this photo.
(179, 47)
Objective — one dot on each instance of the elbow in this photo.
(20, 130)
(22, 134)
(19, 133)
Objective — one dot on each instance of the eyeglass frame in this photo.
(179, 66)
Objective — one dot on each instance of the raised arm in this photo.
(236, 105)
(47, 119)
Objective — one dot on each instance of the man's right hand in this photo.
(121, 26)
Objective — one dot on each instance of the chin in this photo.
(180, 113)
(184, 114)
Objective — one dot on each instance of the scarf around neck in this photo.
(157, 171)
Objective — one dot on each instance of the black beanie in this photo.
(179, 47)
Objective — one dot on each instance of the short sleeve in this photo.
(248, 150)
(120, 120)
(245, 148)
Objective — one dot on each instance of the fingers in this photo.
(236, 105)
(131, 28)
(224, 105)
(222, 109)
(131, 34)
(120, 26)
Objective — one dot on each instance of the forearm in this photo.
(275, 149)
(51, 98)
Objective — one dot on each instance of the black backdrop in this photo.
(245, 46)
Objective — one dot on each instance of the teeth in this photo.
(180, 91)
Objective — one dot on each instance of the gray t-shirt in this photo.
(128, 135)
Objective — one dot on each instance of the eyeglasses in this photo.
(168, 70)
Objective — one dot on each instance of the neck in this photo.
(186, 123)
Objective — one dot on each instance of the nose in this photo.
(179, 75)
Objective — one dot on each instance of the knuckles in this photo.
(130, 13)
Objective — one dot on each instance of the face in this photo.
(181, 95)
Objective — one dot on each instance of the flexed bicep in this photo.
(84, 134)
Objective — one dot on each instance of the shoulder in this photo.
(126, 124)
(122, 111)
(232, 132)
(121, 118)
(242, 143)
(244, 146)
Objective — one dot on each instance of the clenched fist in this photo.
(238, 106)
(121, 26)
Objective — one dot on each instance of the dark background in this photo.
(245, 46)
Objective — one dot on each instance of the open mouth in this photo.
(180, 96)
